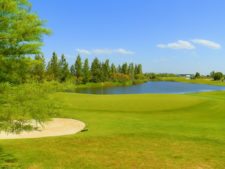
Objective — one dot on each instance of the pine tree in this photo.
(53, 68)
(125, 68)
(38, 71)
(78, 67)
(113, 69)
(131, 71)
(63, 69)
(106, 70)
(119, 69)
(86, 71)
(72, 70)
(96, 71)
(139, 67)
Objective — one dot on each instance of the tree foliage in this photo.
(20, 30)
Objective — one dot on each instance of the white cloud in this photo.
(123, 52)
(101, 52)
(207, 43)
(180, 44)
(83, 51)
(119, 51)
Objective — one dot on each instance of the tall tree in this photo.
(38, 71)
(113, 69)
(197, 75)
(125, 68)
(96, 71)
(21, 34)
(53, 68)
(72, 70)
(78, 67)
(138, 69)
(131, 70)
(106, 70)
(63, 69)
(86, 71)
(20, 30)
(119, 69)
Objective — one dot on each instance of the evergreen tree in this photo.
(119, 69)
(78, 67)
(125, 68)
(96, 70)
(112, 69)
(136, 70)
(63, 69)
(38, 71)
(86, 71)
(106, 70)
(53, 68)
(72, 70)
(139, 67)
(131, 70)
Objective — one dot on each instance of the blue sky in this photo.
(176, 36)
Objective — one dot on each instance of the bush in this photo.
(19, 105)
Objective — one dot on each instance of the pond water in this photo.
(154, 87)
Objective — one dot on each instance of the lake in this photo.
(154, 87)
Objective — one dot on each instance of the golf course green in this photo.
(154, 131)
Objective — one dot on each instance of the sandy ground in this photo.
(55, 127)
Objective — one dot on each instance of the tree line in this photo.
(84, 71)
(26, 69)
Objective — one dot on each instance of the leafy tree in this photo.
(21, 30)
(23, 103)
(197, 75)
(21, 34)
(53, 69)
(218, 76)
(64, 72)
(86, 71)
(96, 71)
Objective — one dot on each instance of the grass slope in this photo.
(132, 131)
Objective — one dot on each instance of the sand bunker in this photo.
(55, 127)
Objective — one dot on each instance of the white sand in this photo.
(55, 127)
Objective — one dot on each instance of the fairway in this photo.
(132, 131)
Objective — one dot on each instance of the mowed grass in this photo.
(132, 131)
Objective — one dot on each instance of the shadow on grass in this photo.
(8, 161)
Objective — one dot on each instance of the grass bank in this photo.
(132, 131)
(196, 81)
(71, 87)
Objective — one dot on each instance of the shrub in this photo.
(22, 104)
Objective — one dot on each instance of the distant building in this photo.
(187, 76)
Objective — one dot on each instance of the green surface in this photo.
(132, 131)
